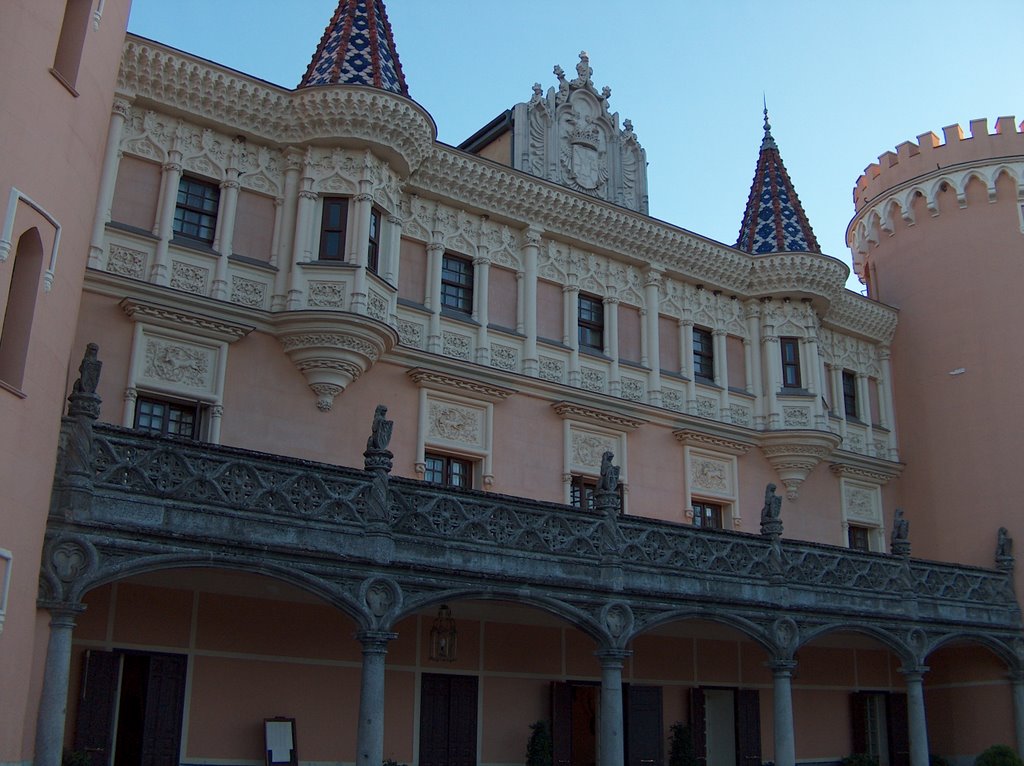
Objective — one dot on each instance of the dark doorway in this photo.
(447, 720)
(879, 726)
(130, 708)
(726, 726)
(574, 723)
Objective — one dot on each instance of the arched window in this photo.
(21, 305)
(72, 40)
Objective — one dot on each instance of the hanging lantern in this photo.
(444, 639)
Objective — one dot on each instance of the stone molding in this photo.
(690, 438)
(794, 454)
(212, 328)
(571, 411)
(440, 381)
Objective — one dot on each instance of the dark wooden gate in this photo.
(448, 720)
(748, 727)
(644, 735)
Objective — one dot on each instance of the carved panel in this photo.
(453, 423)
(592, 379)
(707, 407)
(739, 414)
(327, 294)
(178, 363)
(552, 369)
(377, 305)
(632, 389)
(862, 502)
(456, 344)
(673, 399)
(504, 357)
(796, 417)
(410, 333)
(248, 292)
(126, 262)
(189, 277)
(587, 447)
(709, 474)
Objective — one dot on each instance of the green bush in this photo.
(859, 759)
(999, 755)
(680, 746)
(76, 758)
(540, 749)
(937, 760)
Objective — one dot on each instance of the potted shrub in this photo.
(540, 747)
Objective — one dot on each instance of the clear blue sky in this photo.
(845, 81)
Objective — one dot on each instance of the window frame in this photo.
(590, 322)
(457, 283)
(373, 241)
(447, 468)
(341, 230)
(704, 358)
(862, 533)
(703, 508)
(193, 408)
(849, 383)
(582, 488)
(207, 220)
(791, 367)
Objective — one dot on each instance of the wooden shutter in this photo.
(643, 725)
(748, 727)
(699, 724)
(165, 704)
(561, 722)
(434, 691)
(859, 722)
(897, 727)
(97, 701)
(462, 721)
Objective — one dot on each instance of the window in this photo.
(457, 283)
(859, 538)
(849, 394)
(591, 322)
(21, 306)
(703, 354)
(581, 492)
(195, 214)
(373, 249)
(71, 41)
(447, 470)
(707, 515)
(790, 362)
(163, 417)
(332, 229)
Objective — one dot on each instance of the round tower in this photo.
(939, 234)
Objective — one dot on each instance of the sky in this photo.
(844, 80)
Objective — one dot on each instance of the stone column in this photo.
(432, 298)
(885, 400)
(839, 401)
(686, 333)
(611, 343)
(224, 243)
(530, 252)
(481, 288)
(1017, 685)
(652, 298)
(571, 337)
(286, 236)
(275, 239)
(782, 705)
(719, 337)
(864, 410)
(753, 317)
(300, 250)
(165, 222)
(770, 354)
(359, 246)
(53, 701)
(370, 732)
(611, 742)
(108, 177)
(917, 725)
(393, 257)
(812, 363)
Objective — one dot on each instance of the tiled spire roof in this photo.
(774, 220)
(357, 49)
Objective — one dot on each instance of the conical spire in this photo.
(774, 220)
(357, 49)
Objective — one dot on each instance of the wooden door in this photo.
(898, 729)
(644, 734)
(97, 703)
(448, 720)
(748, 727)
(165, 704)
(699, 724)
(859, 721)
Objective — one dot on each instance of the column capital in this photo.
(363, 198)
(229, 183)
(395, 220)
(612, 657)
(375, 641)
(308, 194)
(1016, 677)
(434, 246)
(781, 667)
(609, 300)
(482, 260)
(172, 167)
(62, 613)
(913, 671)
(122, 107)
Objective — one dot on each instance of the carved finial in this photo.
(377, 457)
(1004, 550)
(768, 141)
(900, 541)
(606, 93)
(771, 513)
(537, 92)
(609, 481)
(583, 69)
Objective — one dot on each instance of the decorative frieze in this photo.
(504, 357)
(440, 381)
(248, 292)
(178, 363)
(456, 345)
(126, 262)
(189, 278)
(794, 454)
(573, 411)
(552, 369)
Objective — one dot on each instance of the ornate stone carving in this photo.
(327, 295)
(189, 277)
(900, 539)
(410, 333)
(377, 306)
(673, 400)
(707, 407)
(69, 559)
(617, 619)
(442, 382)
(587, 448)
(592, 379)
(178, 363)
(248, 292)
(1004, 550)
(572, 411)
(796, 417)
(381, 595)
(504, 357)
(126, 262)
(709, 474)
(377, 456)
(794, 454)
(551, 369)
(739, 414)
(456, 345)
(711, 442)
(771, 513)
(184, 321)
(454, 423)
(632, 389)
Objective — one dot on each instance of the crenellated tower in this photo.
(939, 234)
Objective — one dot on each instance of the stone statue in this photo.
(772, 509)
(900, 541)
(380, 431)
(88, 371)
(1004, 544)
(609, 481)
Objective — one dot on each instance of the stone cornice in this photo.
(864, 468)
(439, 381)
(691, 438)
(794, 454)
(178, 319)
(572, 411)
(857, 315)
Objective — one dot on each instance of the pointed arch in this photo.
(20, 305)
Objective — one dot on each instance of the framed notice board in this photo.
(279, 735)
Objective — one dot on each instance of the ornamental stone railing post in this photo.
(771, 527)
(608, 506)
(377, 461)
(53, 701)
(370, 731)
(75, 472)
